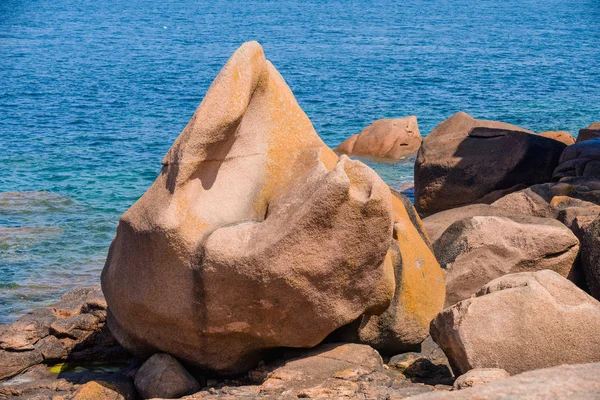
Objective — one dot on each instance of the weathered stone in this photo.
(163, 376)
(591, 132)
(387, 139)
(563, 382)
(479, 376)
(574, 213)
(256, 236)
(105, 390)
(73, 329)
(520, 322)
(525, 202)
(580, 159)
(473, 251)
(561, 136)
(419, 292)
(436, 224)
(590, 256)
(463, 160)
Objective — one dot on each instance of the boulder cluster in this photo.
(263, 265)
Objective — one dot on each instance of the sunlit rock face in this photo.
(256, 236)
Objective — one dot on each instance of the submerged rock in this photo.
(520, 322)
(465, 160)
(475, 250)
(386, 139)
(256, 236)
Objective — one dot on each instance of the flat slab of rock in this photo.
(563, 382)
(465, 160)
(479, 376)
(521, 322)
(334, 370)
(385, 139)
(74, 329)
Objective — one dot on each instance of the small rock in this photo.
(163, 376)
(105, 391)
(561, 136)
(479, 376)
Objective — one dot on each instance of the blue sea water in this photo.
(93, 93)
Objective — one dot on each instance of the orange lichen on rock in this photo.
(255, 235)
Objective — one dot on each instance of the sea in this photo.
(93, 93)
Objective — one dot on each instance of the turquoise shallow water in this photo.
(92, 94)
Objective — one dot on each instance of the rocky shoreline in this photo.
(262, 265)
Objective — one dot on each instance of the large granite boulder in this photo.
(591, 132)
(465, 160)
(478, 377)
(562, 382)
(561, 136)
(580, 159)
(521, 322)
(475, 250)
(386, 139)
(256, 236)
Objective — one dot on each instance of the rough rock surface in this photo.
(521, 322)
(163, 376)
(561, 136)
(580, 159)
(465, 160)
(590, 256)
(591, 132)
(255, 236)
(479, 376)
(71, 330)
(404, 325)
(475, 250)
(436, 224)
(563, 382)
(526, 202)
(386, 139)
(333, 370)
